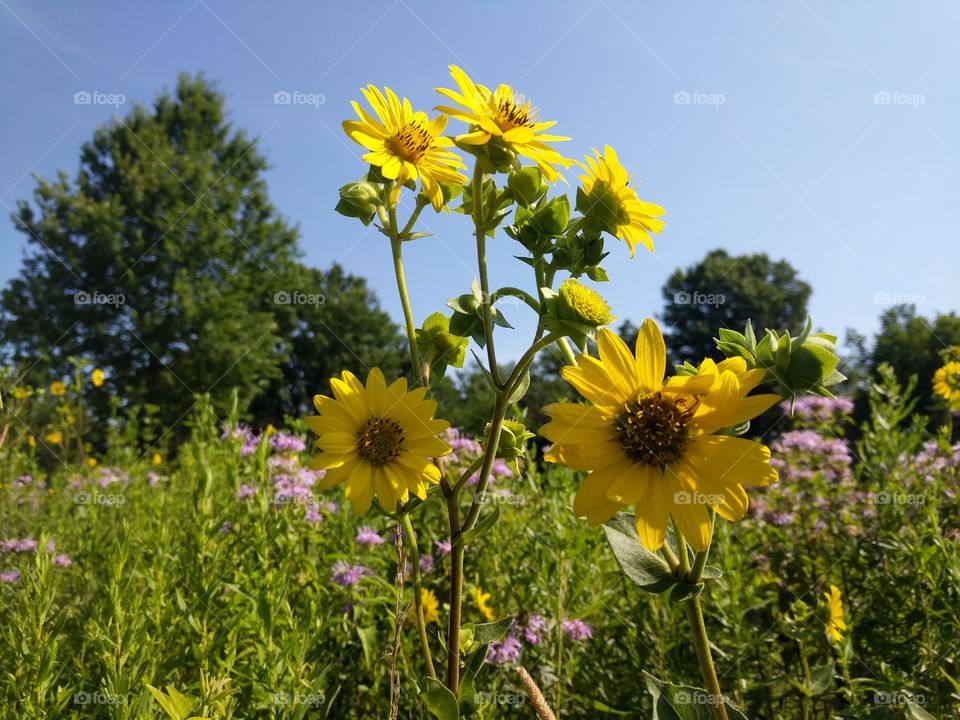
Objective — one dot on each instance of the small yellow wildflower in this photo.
(54, 438)
(20, 393)
(431, 605)
(836, 624)
(57, 388)
(480, 599)
(91, 462)
(96, 377)
(156, 459)
(946, 382)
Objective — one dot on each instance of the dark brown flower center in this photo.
(380, 441)
(411, 142)
(653, 429)
(511, 114)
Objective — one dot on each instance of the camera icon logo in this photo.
(282, 97)
(82, 97)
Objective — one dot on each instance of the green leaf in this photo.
(915, 712)
(522, 387)
(441, 703)
(820, 679)
(683, 591)
(643, 567)
(468, 697)
(711, 572)
(684, 702)
(495, 631)
(481, 528)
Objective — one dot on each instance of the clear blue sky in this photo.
(785, 146)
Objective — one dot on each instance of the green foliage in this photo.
(231, 602)
(911, 344)
(721, 291)
(164, 262)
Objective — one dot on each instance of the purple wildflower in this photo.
(443, 547)
(507, 651)
(347, 575)
(245, 491)
(367, 536)
(536, 627)
(10, 576)
(577, 629)
(285, 442)
(62, 560)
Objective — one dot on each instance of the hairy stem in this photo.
(702, 645)
(409, 325)
(417, 597)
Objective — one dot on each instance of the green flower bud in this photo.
(526, 185)
(514, 437)
(602, 208)
(359, 200)
(439, 346)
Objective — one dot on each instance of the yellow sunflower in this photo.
(430, 604)
(481, 600)
(607, 184)
(57, 388)
(378, 439)
(405, 144)
(54, 438)
(506, 116)
(96, 377)
(946, 382)
(836, 624)
(650, 443)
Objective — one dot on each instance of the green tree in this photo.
(912, 345)
(724, 290)
(338, 325)
(161, 262)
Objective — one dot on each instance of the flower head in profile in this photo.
(96, 377)
(607, 198)
(378, 439)
(946, 382)
(430, 604)
(482, 599)
(20, 393)
(505, 117)
(650, 443)
(57, 388)
(54, 438)
(836, 624)
(404, 144)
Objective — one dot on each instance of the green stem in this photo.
(413, 217)
(411, 328)
(456, 594)
(700, 561)
(417, 597)
(702, 645)
(567, 352)
(806, 677)
(517, 293)
(683, 567)
(481, 235)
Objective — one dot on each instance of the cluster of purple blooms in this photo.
(931, 462)
(292, 484)
(530, 629)
(465, 451)
(814, 409)
(347, 575)
(29, 545)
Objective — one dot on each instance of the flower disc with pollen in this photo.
(650, 443)
(377, 439)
